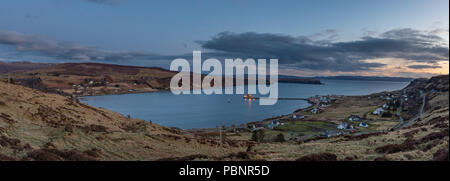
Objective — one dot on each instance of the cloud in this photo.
(108, 2)
(46, 47)
(424, 66)
(319, 52)
(307, 53)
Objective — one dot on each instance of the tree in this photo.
(280, 138)
(258, 135)
(386, 114)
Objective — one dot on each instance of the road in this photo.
(399, 112)
(413, 120)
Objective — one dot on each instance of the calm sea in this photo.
(208, 111)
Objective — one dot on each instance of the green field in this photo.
(308, 127)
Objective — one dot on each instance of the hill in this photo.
(41, 126)
(84, 79)
(93, 78)
(422, 135)
(368, 78)
(6, 67)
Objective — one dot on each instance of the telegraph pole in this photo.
(9, 77)
(220, 134)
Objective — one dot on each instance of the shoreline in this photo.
(308, 100)
(168, 89)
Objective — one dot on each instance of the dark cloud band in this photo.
(65, 50)
(424, 66)
(304, 52)
(301, 52)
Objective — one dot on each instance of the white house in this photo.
(378, 111)
(273, 124)
(297, 116)
(315, 111)
(364, 125)
(354, 118)
(342, 125)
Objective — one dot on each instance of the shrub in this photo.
(94, 152)
(319, 157)
(410, 134)
(408, 145)
(386, 114)
(280, 138)
(258, 136)
(441, 155)
(381, 159)
(6, 158)
(42, 155)
(435, 135)
(58, 155)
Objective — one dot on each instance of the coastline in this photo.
(309, 100)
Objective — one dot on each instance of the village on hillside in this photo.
(328, 116)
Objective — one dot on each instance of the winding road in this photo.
(402, 124)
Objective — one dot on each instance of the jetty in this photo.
(250, 97)
(282, 98)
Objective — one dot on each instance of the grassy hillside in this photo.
(84, 79)
(42, 126)
(386, 138)
(93, 78)
(425, 139)
(6, 67)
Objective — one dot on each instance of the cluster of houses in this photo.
(85, 87)
(405, 97)
(392, 103)
(378, 111)
(353, 118)
(297, 116)
(392, 100)
(356, 118)
(330, 133)
(316, 110)
(87, 84)
(345, 127)
(321, 102)
(79, 89)
(387, 97)
(272, 125)
(275, 123)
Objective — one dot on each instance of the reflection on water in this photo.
(205, 111)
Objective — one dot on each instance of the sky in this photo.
(310, 38)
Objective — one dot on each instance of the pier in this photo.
(250, 97)
(282, 98)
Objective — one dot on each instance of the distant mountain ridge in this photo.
(368, 78)
(365, 78)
